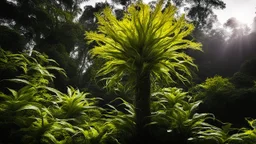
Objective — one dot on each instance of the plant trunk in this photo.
(142, 107)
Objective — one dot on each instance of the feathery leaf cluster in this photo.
(143, 41)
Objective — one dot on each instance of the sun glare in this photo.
(243, 11)
(243, 18)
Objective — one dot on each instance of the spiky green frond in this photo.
(172, 109)
(144, 38)
(75, 104)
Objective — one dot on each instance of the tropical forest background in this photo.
(124, 72)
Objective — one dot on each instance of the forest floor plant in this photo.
(174, 113)
(37, 113)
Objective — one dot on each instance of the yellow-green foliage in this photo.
(228, 135)
(212, 87)
(37, 113)
(217, 83)
(173, 110)
(145, 40)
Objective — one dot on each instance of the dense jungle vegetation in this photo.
(125, 72)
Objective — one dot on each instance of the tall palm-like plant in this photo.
(145, 45)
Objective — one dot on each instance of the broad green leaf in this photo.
(30, 107)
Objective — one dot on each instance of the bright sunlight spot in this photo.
(243, 11)
(244, 17)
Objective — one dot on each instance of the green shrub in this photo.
(242, 80)
(175, 116)
(38, 113)
(212, 88)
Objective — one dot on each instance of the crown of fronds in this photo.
(145, 40)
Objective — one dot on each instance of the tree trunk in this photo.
(142, 106)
